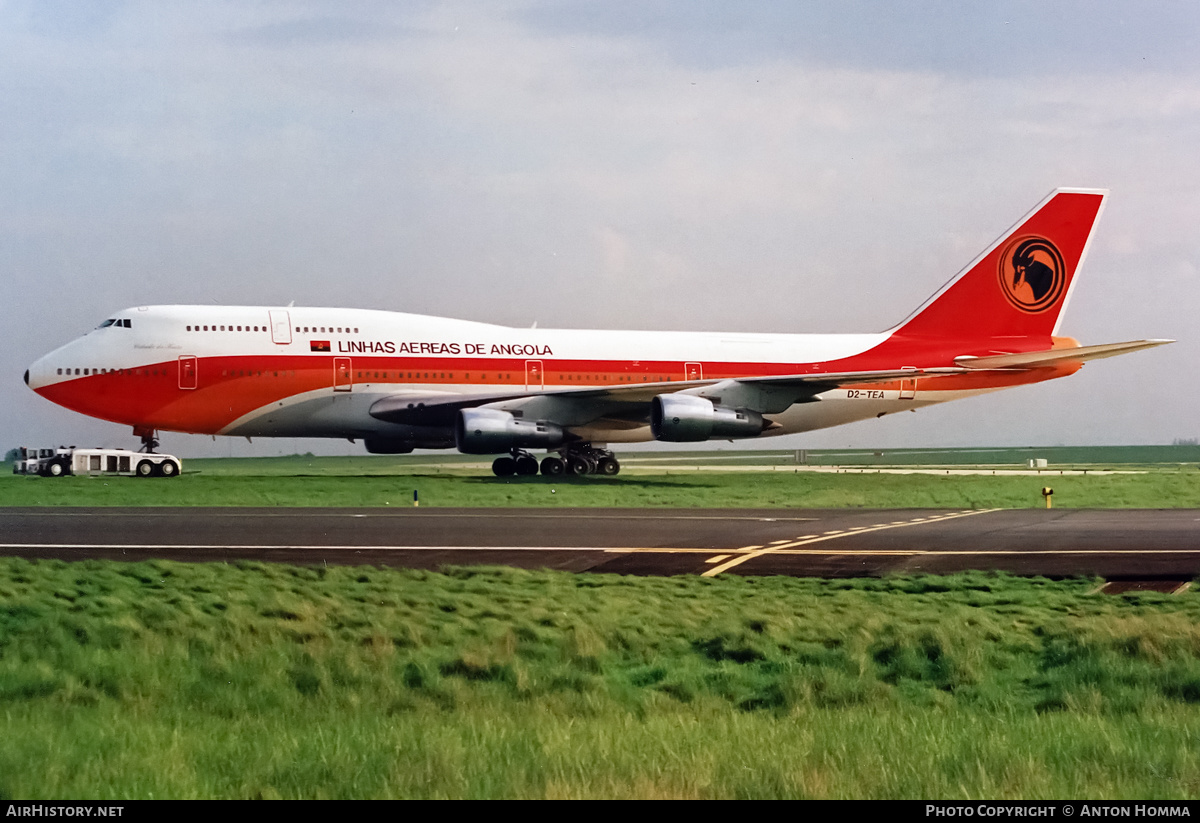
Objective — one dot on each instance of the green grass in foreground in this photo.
(169, 680)
(366, 482)
(999, 457)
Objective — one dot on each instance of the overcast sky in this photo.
(791, 166)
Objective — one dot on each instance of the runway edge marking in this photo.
(737, 561)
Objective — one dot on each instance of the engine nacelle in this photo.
(492, 431)
(403, 439)
(376, 445)
(686, 418)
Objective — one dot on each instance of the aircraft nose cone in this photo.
(35, 375)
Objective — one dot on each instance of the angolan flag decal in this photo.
(319, 345)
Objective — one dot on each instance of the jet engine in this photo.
(492, 431)
(377, 445)
(686, 418)
(409, 438)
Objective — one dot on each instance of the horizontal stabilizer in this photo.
(1053, 357)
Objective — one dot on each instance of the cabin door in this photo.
(343, 378)
(281, 327)
(187, 371)
(534, 378)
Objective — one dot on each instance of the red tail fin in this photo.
(1020, 286)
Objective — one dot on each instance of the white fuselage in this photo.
(315, 372)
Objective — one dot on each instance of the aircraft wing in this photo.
(577, 407)
(832, 380)
(1053, 357)
(766, 395)
(440, 408)
(433, 408)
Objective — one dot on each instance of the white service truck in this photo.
(69, 460)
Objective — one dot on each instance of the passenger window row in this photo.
(257, 372)
(230, 327)
(133, 372)
(551, 377)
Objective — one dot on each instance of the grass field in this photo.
(1058, 456)
(647, 481)
(165, 680)
(174, 680)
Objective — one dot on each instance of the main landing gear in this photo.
(577, 459)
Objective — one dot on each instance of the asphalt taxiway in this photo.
(1115, 544)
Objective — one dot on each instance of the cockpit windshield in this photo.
(121, 322)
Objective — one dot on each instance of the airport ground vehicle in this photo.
(66, 460)
(401, 381)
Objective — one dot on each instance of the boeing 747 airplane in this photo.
(403, 381)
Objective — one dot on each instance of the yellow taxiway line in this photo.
(809, 539)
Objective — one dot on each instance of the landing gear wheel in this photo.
(608, 466)
(501, 467)
(578, 464)
(145, 469)
(554, 466)
(527, 465)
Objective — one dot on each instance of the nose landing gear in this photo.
(149, 439)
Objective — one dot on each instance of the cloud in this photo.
(778, 168)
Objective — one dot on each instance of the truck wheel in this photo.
(56, 468)
(168, 468)
(145, 469)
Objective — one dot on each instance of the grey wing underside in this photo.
(627, 406)
(630, 404)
